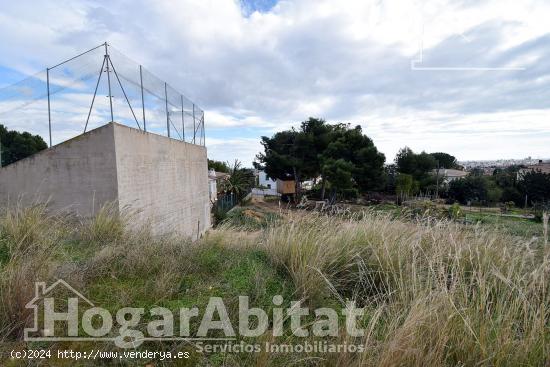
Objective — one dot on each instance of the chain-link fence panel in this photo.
(94, 88)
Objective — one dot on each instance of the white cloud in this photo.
(227, 150)
(343, 60)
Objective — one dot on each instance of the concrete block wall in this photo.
(77, 176)
(166, 179)
(160, 181)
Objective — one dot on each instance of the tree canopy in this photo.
(475, 189)
(417, 165)
(536, 185)
(445, 160)
(218, 166)
(364, 162)
(16, 145)
(341, 155)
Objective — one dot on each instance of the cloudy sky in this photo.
(471, 78)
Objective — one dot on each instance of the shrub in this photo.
(455, 211)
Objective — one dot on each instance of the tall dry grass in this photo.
(38, 245)
(29, 238)
(435, 293)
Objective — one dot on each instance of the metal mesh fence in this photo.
(96, 87)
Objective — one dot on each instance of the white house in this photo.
(266, 182)
(266, 185)
(214, 179)
(212, 185)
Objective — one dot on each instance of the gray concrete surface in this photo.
(159, 181)
(166, 179)
(78, 175)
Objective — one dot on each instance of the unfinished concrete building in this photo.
(161, 182)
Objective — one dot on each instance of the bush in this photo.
(218, 214)
(455, 211)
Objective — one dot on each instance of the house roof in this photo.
(217, 175)
(455, 173)
(450, 172)
(542, 167)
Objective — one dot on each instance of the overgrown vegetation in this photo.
(436, 294)
(15, 145)
(250, 218)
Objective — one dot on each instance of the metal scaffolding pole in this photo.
(203, 132)
(194, 128)
(182, 120)
(109, 82)
(142, 98)
(167, 116)
(95, 93)
(124, 93)
(49, 111)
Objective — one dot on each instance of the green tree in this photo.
(339, 173)
(218, 166)
(405, 185)
(536, 185)
(405, 161)
(240, 180)
(445, 160)
(417, 165)
(314, 137)
(279, 158)
(470, 188)
(507, 180)
(358, 150)
(16, 145)
(506, 177)
(481, 189)
(512, 194)
(307, 152)
(494, 192)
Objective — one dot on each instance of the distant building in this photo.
(449, 175)
(265, 182)
(265, 185)
(307, 185)
(212, 186)
(214, 180)
(541, 166)
(499, 163)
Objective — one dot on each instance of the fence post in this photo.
(203, 132)
(49, 112)
(108, 60)
(182, 121)
(142, 98)
(194, 128)
(166, 101)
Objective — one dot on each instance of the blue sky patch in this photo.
(262, 6)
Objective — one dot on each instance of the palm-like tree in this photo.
(239, 181)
